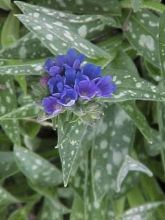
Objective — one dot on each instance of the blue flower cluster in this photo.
(69, 80)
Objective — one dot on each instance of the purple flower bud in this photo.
(44, 80)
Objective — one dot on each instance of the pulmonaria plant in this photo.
(69, 80)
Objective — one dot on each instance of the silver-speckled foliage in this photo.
(102, 159)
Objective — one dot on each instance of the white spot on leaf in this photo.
(147, 41)
(49, 37)
(82, 31)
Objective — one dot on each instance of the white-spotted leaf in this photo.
(139, 119)
(141, 212)
(162, 43)
(142, 33)
(77, 208)
(24, 69)
(21, 49)
(8, 103)
(6, 198)
(37, 169)
(111, 7)
(128, 165)
(7, 164)
(132, 87)
(70, 135)
(114, 136)
(27, 111)
(49, 36)
(52, 209)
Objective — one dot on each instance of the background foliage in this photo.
(114, 166)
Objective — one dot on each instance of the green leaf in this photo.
(142, 33)
(7, 164)
(27, 111)
(6, 198)
(70, 135)
(132, 88)
(157, 6)
(5, 4)
(23, 69)
(7, 104)
(139, 119)
(129, 84)
(128, 165)
(57, 33)
(22, 83)
(110, 7)
(123, 61)
(84, 25)
(141, 212)
(36, 169)
(160, 107)
(147, 4)
(23, 212)
(162, 42)
(31, 128)
(77, 212)
(111, 44)
(136, 5)
(114, 136)
(52, 210)
(21, 49)
(154, 148)
(19, 214)
(10, 30)
(152, 71)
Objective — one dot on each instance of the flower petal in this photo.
(86, 89)
(48, 64)
(54, 70)
(51, 105)
(56, 84)
(68, 97)
(92, 71)
(105, 86)
(70, 75)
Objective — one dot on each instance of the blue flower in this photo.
(70, 77)
(68, 81)
(48, 64)
(51, 105)
(92, 71)
(105, 86)
(73, 59)
(56, 85)
(86, 89)
(68, 97)
(57, 66)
